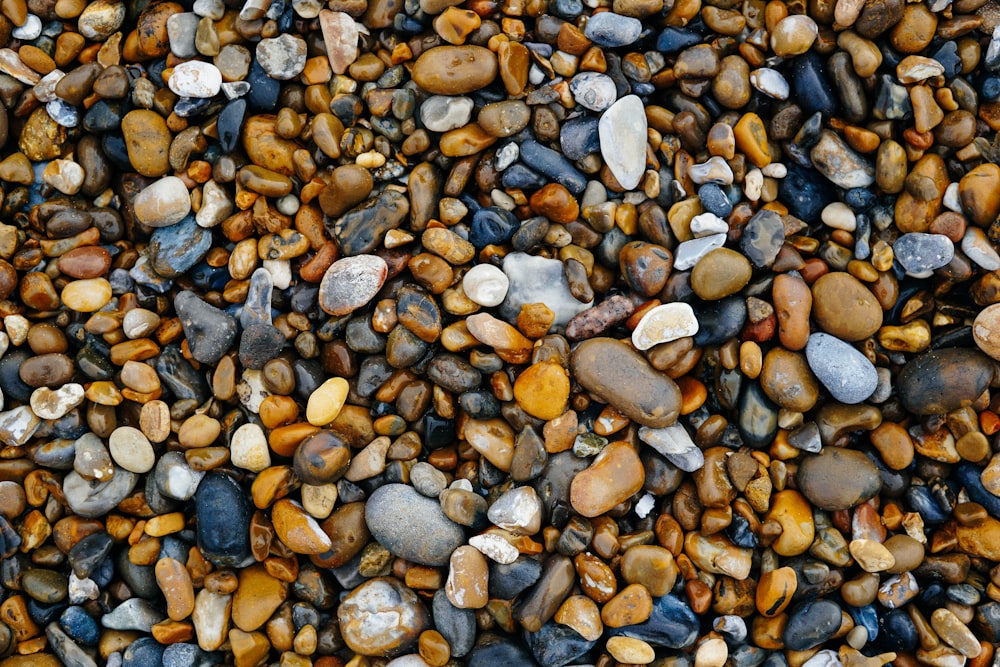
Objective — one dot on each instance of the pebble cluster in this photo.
(418, 333)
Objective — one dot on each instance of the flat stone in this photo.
(350, 283)
(622, 130)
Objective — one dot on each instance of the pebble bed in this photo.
(499, 333)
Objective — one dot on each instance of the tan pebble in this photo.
(630, 651)
(326, 402)
(871, 555)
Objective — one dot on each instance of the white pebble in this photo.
(281, 272)
(951, 200)
(17, 328)
(215, 205)
(707, 224)
(663, 324)
(495, 548)
(486, 284)
(196, 78)
(839, 216)
(130, 449)
(53, 404)
(248, 448)
(770, 82)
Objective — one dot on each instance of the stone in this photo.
(846, 373)
(940, 381)
(612, 30)
(165, 202)
(412, 526)
(615, 475)
(664, 324)
(282, 57)
(838, 479)
(381, 617)
(454, 70)
(534, 279)
(196, 79)
(486, 284)
(843, 307)
(209, 331)
(622, 130)
(350, 283)
(624, 379)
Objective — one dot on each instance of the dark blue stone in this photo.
(758, 416)
(103, 116)
(989, 88)
(967, 475)
(642, 89)
(187, 107)
(897, 632)
(553, 165)
(947, 55)
(567, 9)
(556, 645)
(920, 500)
(103, 575)
(494, 651)
(438, 431)
(988, 621)
(224, 514)
(508, 581)
(672, 40)
(114, 148)
(175, 249)
(10, 377)
(671, 624)
(866, 617)
(179, 376)
(719, 320)
(714, 200)
(805, 192)
(174, 547)
(740, 533)
(264, 90)
(933, 595)
(860, 199)
(492, 226)
(578, 137)
(519, 176)
(479, 404)
(209, 277)
(407, 24)
(230, 123)
(80, 626)
(811, 86)
(43, 614)
(87, 555)
(143, 652)
(776, 659)
(811, 623)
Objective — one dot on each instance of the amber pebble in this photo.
(322, 458)
(631, 605)
(542, 390)
(844, 307)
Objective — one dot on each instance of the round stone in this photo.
(196, 78)
(412, 526)
(131, 449)
(846, 373)
(486, 285)
(248, 448)
(838, 478)
(350, 283)
(381, 617)
(163, 203)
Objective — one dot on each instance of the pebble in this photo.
(282, 57)
(381, 617)
(844, 371)
(486, 284)
(412, 526)
(939, 381)
(612, 30)
(838, 479)
(196, 79)
(621, 129)
(350, 283)
(664, 324)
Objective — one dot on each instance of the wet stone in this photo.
(381, 618)
(838, 478)
(842, 369)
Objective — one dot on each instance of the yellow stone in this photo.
(327, 401)
(751, 139)
(258, 595)
(790, 509)
(542, 390)
(630, 651)
(87, 296)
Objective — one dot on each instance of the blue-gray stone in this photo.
(812, 87)
(866, 617)
(612, 30)
(672, 39)
(897, 632)
(141, 579)
(175, 249)
(87, 555)
(230, 122)
(143, 652)
(762, 238)
(457, 626)
(224, 514)
(714, 200)
(758, 416)
(810, 624)
(188, 655)
(264, 90)
(719, 320)
(509, 580)
(578, 137)
(556, 645)
(805, 192)
(209, 331)
(66, 649)
(494, 650)
(844, 371)
(411, 526)
(179, 376)
(967, 475)
(919, 253)
(553, 165)
(519, 176)
(80, 626)
(671, 624)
